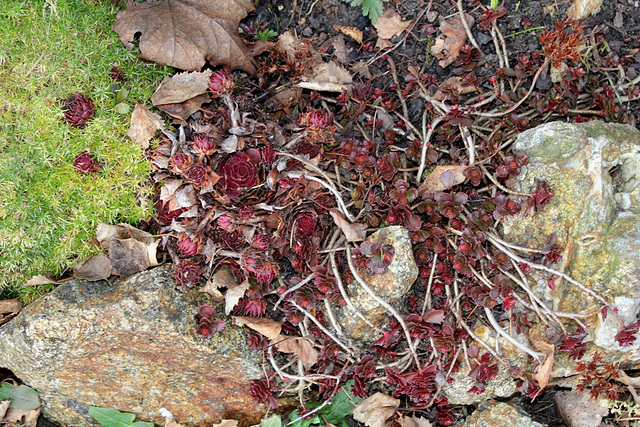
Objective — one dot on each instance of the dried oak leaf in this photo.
(390, 24)
(186, 33)
(327, 77)
(144, 125)
(355, 232)
(414, 421)
(181, 87)
(442, 178)
(10, 306)
(543, 373)
(267, 327)
(94, 268)
(301, 347)
(452, 38)
(375, 410)
(352, 32)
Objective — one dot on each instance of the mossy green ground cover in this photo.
(48, 212)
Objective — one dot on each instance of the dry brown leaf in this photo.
(220, 279)
(39, 279)
(301, 347)
(383, 44)
(457, 84)
(390, 24)
(327, 77)
(451, 39)
(413, 422)
(227, 423)
(144, 125)
(375, 410)
(178, 195)
(22, 417)
(10, 306)
(94, 268)
(353, 232)
(185, 34)
(181, 87)
(267, 327)
(443, 177)
(129, 249)
(183, 110)
(233, 295)
(4, 406)
(128, 256)
(352, 32)
(362, 68)
(341, 51)
(543, 373)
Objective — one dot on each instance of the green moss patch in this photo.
(48, 212)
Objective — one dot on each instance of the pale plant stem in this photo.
(346, 298)
(537, 356)
(293, 289)
(541, 267)
(323, 329)
(425, 146)
(517, 104)
(497, 183)
(469, 143)
(427, 298)
(283, 375)
(463, 19)
(385, 304)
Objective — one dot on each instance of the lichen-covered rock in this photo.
(131, 346)
(390, 286)
(493, 414)
(594, 170)
(457, 391)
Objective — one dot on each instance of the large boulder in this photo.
(130, 345)
(594, 170)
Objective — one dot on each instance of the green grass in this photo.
(48, 212)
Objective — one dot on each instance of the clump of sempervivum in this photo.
(86, 163)
(78, 110)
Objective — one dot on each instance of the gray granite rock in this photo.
(131, 346)
(390, 286)
(594, 170)
(499, 414)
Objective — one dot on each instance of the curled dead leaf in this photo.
(543, 373)
(451, 39)
(375, 410)
(185, 34)
(181, 87)
(413, 422)
(233, 295)
(390, 24)
(96, 267)
(227, 423)
(39, 279)
(327, 77)
(144, 125)
(267, 327)
(301, 347)
(353, 232)
(443, 177)
(10, 306)
(352, 32)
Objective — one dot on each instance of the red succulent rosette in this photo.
(195, 174)
(78, 110)
(179, 162)
(187, 274)
(305, 224)
(220, 83)
(85, 163)
(237, 173)
(204, 144)
(189, 246)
